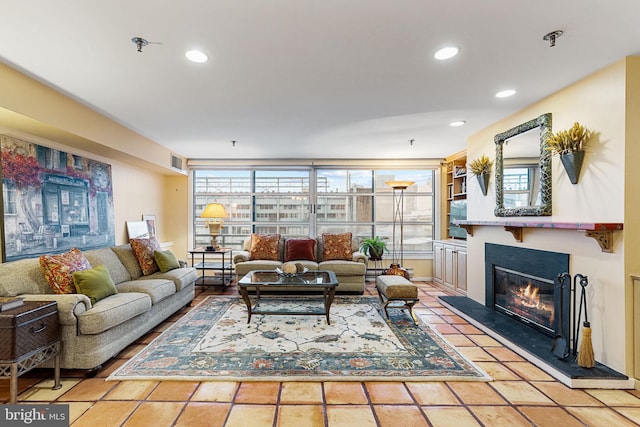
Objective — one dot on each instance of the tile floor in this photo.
(520, 395)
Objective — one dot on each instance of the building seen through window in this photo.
(314, 201)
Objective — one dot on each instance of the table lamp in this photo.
(215, 213)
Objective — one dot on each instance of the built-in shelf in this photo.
(602, 232)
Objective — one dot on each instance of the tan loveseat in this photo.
(93, 333)
(350, 273)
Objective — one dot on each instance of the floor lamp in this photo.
(398, 217)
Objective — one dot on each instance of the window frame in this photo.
(237, 227)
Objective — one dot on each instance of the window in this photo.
(312, 201)
(9, 197)
(520, 186)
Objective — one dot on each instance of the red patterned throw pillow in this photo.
(336, 247)
(300, 250)
(59, 269)
(144, 250)
(264, 246)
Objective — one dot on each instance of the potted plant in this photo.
(481, 168)
(569, 145)
(374, 248)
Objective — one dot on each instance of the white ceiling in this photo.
(312, 78)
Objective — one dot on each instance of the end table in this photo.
(223, 265)
(29, 335)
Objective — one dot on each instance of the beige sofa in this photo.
(94, 333)
(350, 274)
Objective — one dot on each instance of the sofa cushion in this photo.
(344, 268)
(336, 246)
(157, 289)
(181, 277)
(144, 249)
(128, 259)
(166, 260)
(96, 283)
(264, 247)
(112, 311)
(59, 269)
(300, 249)
(245, 267)
(23, 277)
(108, 257)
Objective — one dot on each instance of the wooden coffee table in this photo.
(297, 287)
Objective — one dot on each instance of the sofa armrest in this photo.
(69, 305)
(360, 257)
(240, 256)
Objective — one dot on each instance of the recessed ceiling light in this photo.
(505, 93)
(446, 53)
(196, 56)
(457, 123)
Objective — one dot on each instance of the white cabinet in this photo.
(450, 264)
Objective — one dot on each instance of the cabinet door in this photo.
(438, 260)
(461, 270)
(449, 266)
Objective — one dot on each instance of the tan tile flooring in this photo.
(520, 395)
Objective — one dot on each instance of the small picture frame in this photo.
(137, 229)
(152, 225)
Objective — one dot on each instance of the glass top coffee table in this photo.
(296, 287)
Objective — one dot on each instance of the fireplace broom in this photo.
(586, 357)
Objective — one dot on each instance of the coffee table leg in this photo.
(245, 297)
(328, 300)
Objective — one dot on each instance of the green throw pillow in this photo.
(166, 260)
(96, 283)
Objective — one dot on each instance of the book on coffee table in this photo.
(7, 303)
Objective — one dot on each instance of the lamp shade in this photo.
(214, 210)
(399, 185)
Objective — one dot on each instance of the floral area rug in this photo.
(213, 342)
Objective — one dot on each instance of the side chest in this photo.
(28, 328)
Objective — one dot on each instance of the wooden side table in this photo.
(29, 335)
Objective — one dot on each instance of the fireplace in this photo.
(523, 284)
(528, 298)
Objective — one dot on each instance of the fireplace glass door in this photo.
(527, 298)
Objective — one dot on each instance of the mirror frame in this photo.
(544, 209)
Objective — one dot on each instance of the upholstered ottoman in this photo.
(396, 289)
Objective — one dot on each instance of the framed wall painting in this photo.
(52, 201)
(152, 224)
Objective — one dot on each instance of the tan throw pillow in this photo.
(144, 250)
(59, 269)
(264, 246)
(300, 250)
(336, 247)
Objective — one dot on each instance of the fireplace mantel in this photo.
(602, 232)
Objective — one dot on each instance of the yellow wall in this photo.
(599, 102)
(632, 207)
(143, 182)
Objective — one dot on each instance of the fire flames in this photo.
(529, 297)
